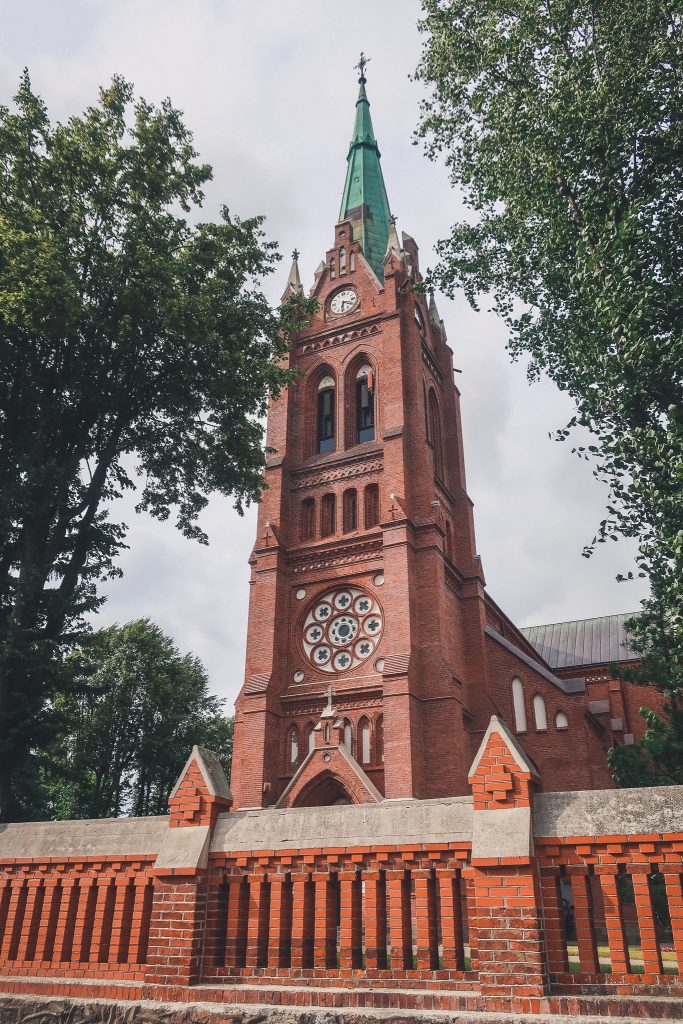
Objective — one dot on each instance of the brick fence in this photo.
(508, 900)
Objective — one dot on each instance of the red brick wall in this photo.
(418, 926)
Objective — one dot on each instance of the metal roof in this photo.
(583, 641)
(364, 201)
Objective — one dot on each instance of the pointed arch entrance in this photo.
(322, 791)
(329, 775)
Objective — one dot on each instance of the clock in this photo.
(343, 302)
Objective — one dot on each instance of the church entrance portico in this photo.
(329, 774)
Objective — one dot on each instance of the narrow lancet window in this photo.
(371, 506)
(518, 705)
(350, 511)
(326, 431)
(307, 526)
(328, 515)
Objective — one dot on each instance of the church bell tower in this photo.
(367, 598)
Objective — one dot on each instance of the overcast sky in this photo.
(268, 88)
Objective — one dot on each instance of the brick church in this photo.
(375, 655)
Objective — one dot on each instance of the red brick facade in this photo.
(402, 535)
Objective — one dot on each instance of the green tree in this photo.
(121, 734)
(561, 123)
(134, 343)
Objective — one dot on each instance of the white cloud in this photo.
(269, 91)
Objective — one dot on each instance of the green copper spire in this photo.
(364, 201)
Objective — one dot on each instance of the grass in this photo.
(669, 963)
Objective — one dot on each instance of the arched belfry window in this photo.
(332, 268)
(326, 425)
(365, 405)
(342, 260)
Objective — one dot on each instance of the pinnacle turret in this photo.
(393, 244)
(294, 285)
(433, 311)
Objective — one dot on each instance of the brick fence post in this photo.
(508, 916)
(177, 930)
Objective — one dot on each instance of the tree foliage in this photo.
(135, 345)
(560, 122)
(122, 732)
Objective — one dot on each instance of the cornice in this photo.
(317, 476)
(334, 338)
(358, 551)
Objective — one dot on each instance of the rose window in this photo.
(342, 629)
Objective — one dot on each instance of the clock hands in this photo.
(343, 302)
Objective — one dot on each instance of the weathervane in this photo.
(361, 65)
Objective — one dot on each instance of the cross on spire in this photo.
(295, 254)
(360, 66)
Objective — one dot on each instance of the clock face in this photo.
(343, 302)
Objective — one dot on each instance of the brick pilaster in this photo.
(451, 919)
(176, 933)
(325, 929)
(32, 913)
(257, 927)
(15, 918)
(66, 922)
(507, 927)
(141, 920)
(426, 934)
(51, 907)
(351, 924)
(85, 915)
(652, 957)
(375, 919)
(584, 920)
(280, 923)
(614, 921)
(553, 918)
(303, 912)
(398, 894)
(101, 929)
